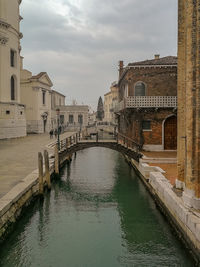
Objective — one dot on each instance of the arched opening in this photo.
(13, 88)
(140, 89)
(170, 133)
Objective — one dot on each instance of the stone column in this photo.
(197, 155)
(181, 144)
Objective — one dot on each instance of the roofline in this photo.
(58, 92)
(152, 65)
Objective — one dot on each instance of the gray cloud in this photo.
(79, 42)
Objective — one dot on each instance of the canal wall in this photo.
(185, 221)
(21, 195)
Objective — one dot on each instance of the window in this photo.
(71, 118)
(140, 89)
(59, 102)
(43, 97)
(12, 87)
(146, 125)
(7, 112)
(80, 119)
(13, 55)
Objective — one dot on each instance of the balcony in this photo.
(147, 102)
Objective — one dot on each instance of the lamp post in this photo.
(58, 130)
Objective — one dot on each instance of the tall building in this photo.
(189, 102)
(12, 117)
(148, 102)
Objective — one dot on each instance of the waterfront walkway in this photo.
(166, 160)
(19, 157)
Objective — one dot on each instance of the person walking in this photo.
(51, 133)
(55, 133)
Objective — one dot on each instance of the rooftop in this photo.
(169, 60)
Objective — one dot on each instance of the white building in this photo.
(57, 101)
(36, 95)
(110, 103)
(74, 117)
(12, 118)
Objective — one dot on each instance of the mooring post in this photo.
(56, 160)
(66, 144)
(40, 168)
(47, 172)
(70, 141)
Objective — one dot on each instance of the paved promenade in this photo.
(19, 157)
(169, 167)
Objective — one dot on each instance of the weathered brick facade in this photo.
(189, 101)
(159, 77)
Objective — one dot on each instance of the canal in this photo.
(97, 214)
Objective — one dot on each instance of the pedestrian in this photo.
(51, 133)
(55, 133)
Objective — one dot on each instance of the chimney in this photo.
(121, 67)
(21, 62)
(157, 56)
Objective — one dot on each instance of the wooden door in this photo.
(170, 133)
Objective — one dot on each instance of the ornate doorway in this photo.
(170, 133)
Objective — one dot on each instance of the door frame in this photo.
(163, 130)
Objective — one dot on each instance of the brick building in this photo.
(148, 102)
(189, 102)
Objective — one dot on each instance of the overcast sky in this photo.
(79, 42)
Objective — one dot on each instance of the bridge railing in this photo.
(67, 142)
(128, 142)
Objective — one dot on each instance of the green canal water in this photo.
(97, 214)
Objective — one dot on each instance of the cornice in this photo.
(3, 40)
(4, 24)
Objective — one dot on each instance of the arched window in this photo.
(140, 89)
(12, 87)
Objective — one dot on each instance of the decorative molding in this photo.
(4, 24)
(3, 40)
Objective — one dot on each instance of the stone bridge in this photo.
(121, 144)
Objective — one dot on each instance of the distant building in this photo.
(110, 103)
(147, 109)
(92, 118)
(12, 117)
(74, 117)
(36, 95)
(57, 101)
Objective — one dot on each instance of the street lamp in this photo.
(58, 131)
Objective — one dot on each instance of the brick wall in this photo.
(160, 81)
(130, 123)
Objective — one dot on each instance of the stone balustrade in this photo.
(147, 102)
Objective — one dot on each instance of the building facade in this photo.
(110, 103)
(57, 102)
(148, 102)
(36, 94)
(12, 117)
(73, 117)
(189, 102)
